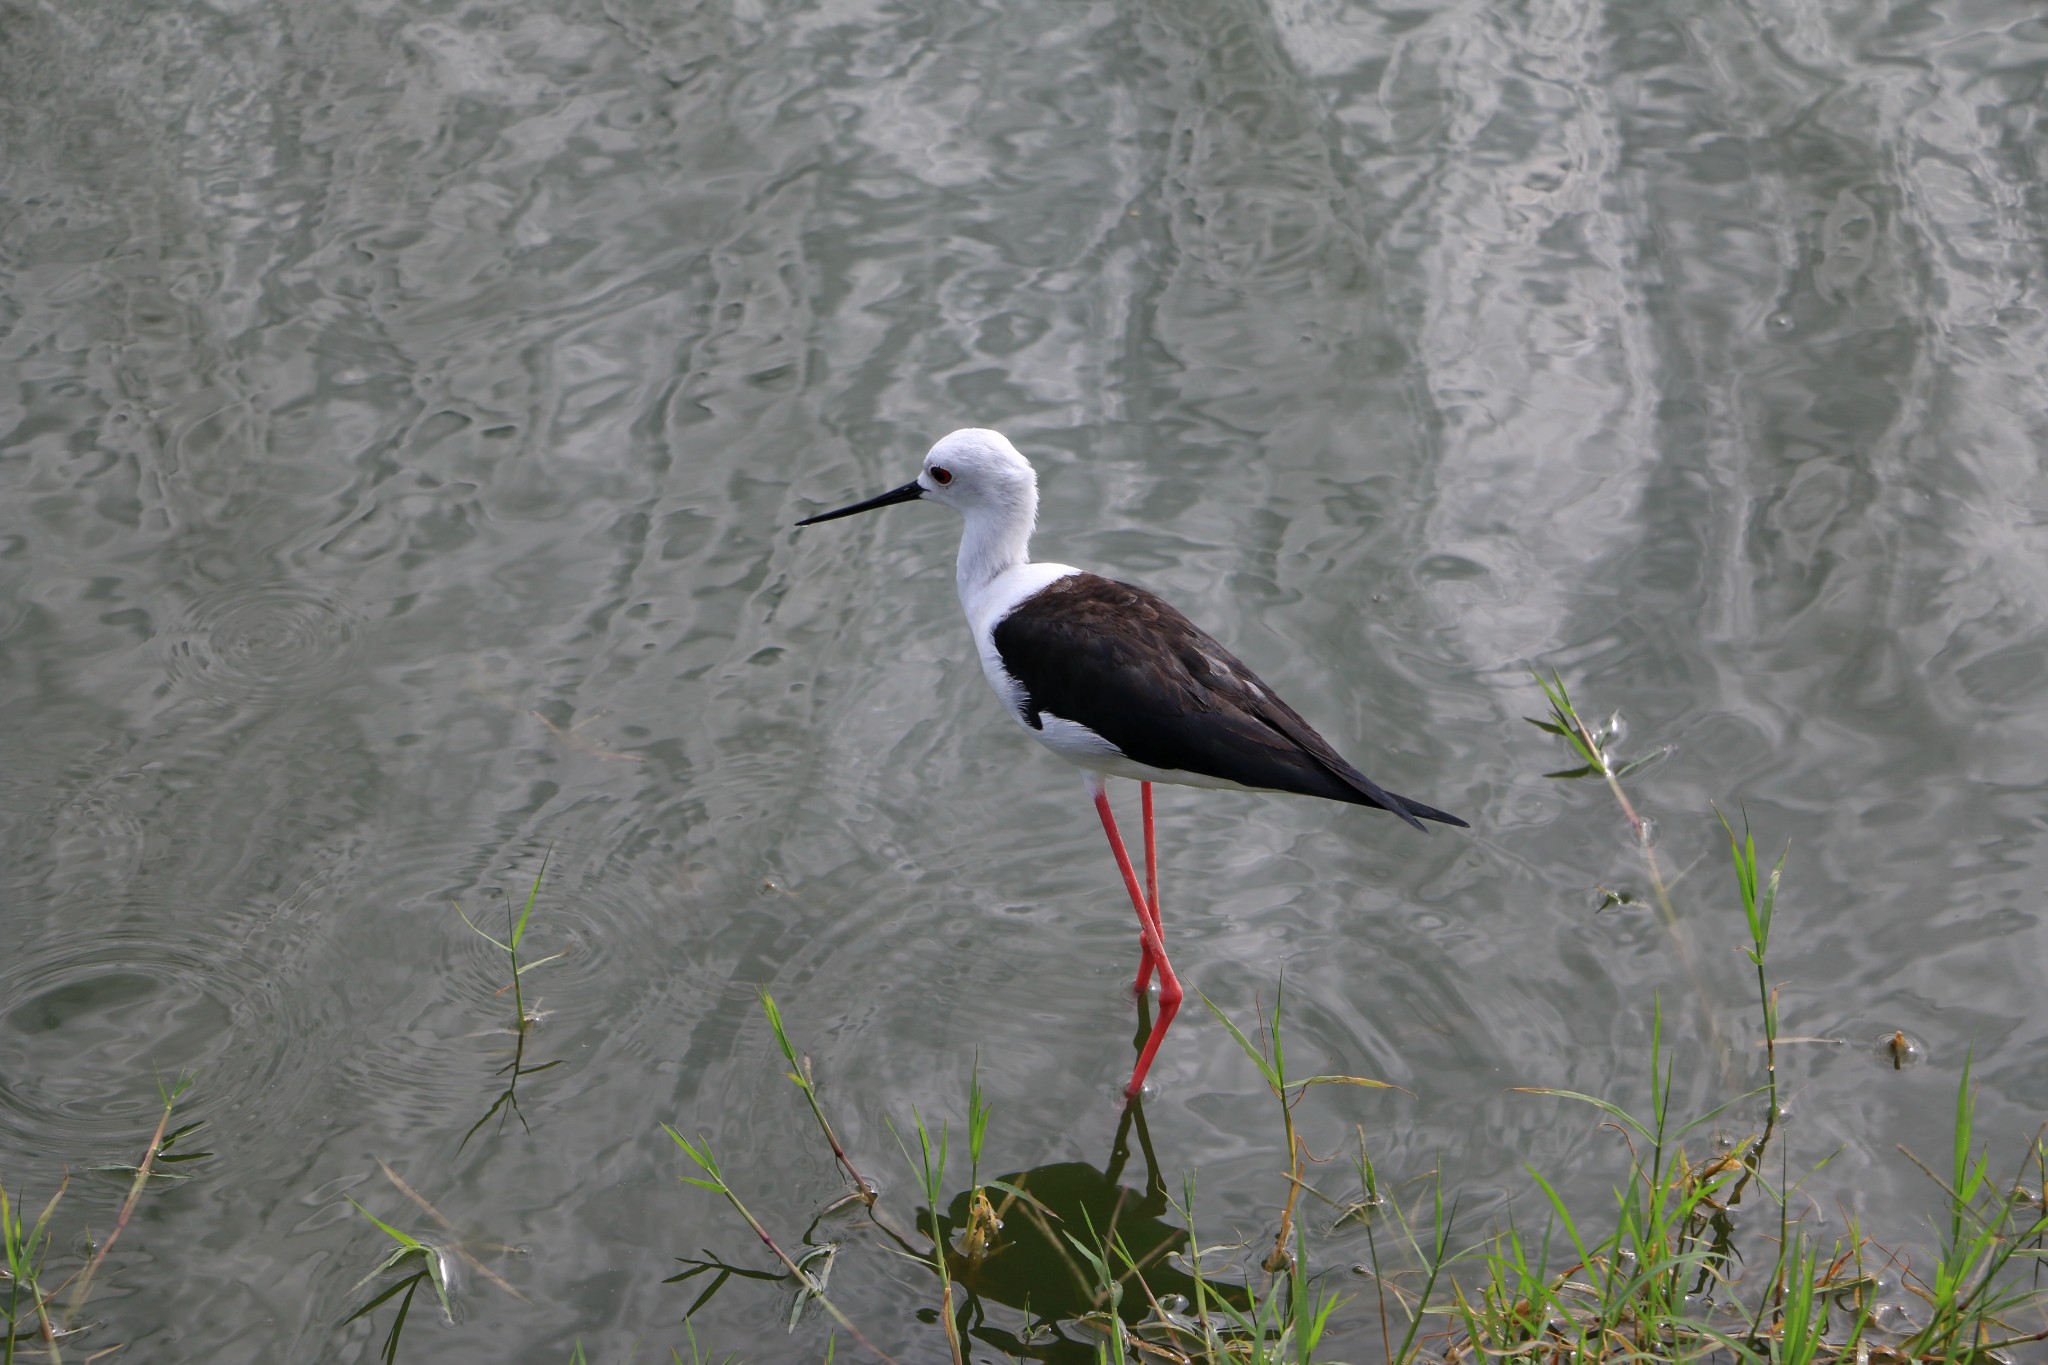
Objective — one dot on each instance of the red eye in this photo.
(941, 475)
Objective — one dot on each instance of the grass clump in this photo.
(1698, 1257)
(1097, 1270)
(427, 1260)
(1665, 1280)
(41, 1316)
(427, 1263)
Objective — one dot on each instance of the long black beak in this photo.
(910, 492)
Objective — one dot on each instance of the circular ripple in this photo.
(597, 918)
(94, 843)
(86, 1026)
(264, 642)
(615, 1002)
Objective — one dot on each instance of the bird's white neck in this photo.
(995, 538)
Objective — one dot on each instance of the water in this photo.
(402, 411)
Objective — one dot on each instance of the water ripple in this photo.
(261, 643)
(1692, 350)
(90, 1016)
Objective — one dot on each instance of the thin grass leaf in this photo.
(1103, 1278)
(1664, 751)
(396, 1287)
(705, 1297)
(404, 1238)
(398, 1322)
(532, 894)
(437, 1271)
(1023, 1194)
(1365, 1081)
(1562, 1212)
(978, 1110)
(1613, 1111)
(501, 947)
(1273, 1032)
(171, 1138)
(397, 1258)
(769, 1008)
(1965, 1123)
(703, 1158)
(1258, 1057)
(1564, 721)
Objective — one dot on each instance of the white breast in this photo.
(986, 606)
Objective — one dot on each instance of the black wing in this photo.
(1120, 661)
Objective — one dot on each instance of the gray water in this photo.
(403, 408)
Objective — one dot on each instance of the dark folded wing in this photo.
(1120, 661)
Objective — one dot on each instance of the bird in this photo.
(1116, 681)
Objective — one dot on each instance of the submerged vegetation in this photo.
(1704, 1254)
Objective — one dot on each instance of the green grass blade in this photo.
(1612, 1110)
(1258, 1058)
(404, 1238)
(532, 894)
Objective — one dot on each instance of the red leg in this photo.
(1151, 891)
(1170, 993)
(1147, 935)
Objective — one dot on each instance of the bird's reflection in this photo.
(1023, 1240)
(1064, 1245)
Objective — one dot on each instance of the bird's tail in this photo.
(1411, 806)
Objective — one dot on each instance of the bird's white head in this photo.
(977, 472)
(980, 475)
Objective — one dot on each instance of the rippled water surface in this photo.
(403, 408)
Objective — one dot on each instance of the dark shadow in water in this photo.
(1027, 1263)
(1027, 1240)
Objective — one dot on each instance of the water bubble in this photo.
(1612, 731)
(1148, 1091)
(1780, 323)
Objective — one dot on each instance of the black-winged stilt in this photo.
(1115, 681)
